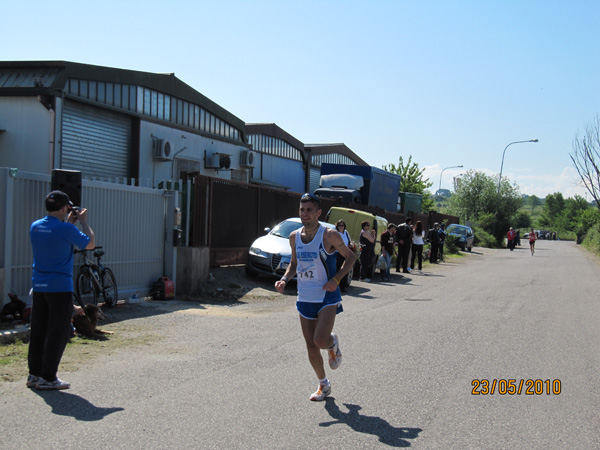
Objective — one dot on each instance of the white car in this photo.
(271, 254)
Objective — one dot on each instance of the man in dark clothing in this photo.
(442, 234)
(387, 250)
(53, 239)
(434, 239)
(404, 234)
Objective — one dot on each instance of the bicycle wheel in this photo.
(109, 288)
(85, 289)
(77, 300)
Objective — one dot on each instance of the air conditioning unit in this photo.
(246, 158)
(217, 161)
(163, 150)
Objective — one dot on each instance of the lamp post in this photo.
(440, 186)
(500, 177)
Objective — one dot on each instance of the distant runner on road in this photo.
(532, 241)
(319, 300)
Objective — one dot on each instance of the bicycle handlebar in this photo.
(84, 250)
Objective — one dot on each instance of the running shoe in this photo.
(44, 385)
(335, 354)
(322, 393)
(32, 380)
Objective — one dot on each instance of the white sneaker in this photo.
(322, 393)
(44, 385)
(32, 381)
(335, 354)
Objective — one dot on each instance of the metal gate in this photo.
(95, 141)
(130, 223)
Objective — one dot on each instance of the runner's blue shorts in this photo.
(311, 310)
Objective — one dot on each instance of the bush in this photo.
(591, 241)
(451, 245)
(484, 239)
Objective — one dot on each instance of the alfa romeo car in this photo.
(271, 254)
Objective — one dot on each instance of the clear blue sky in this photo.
(448, 82)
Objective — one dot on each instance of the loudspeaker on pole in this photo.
(68, 181)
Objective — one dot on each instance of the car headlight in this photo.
(285, 261)
(258, 252)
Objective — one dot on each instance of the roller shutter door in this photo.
(315, 178)
(95, 141)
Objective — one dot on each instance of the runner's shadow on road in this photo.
(387, 434)
(357, 291)
(71, 405)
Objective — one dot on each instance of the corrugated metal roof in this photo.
(27, 78)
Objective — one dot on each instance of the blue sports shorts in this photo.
(311, 310)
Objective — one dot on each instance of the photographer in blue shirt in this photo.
(53, 239)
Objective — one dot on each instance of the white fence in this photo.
(133, 225)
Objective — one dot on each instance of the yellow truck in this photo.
(353, 218)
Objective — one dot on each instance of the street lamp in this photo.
(440, 186)
(502, 165)
(500, 177)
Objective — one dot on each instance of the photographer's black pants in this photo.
(50, 330)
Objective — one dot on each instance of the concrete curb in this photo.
(11, 336)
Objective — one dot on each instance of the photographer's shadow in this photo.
(65, 404)
(389, 435)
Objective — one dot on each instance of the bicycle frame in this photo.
(97, 273)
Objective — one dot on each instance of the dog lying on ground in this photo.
(15, 310)
(86, 325)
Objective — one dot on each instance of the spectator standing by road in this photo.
(367, 253)
(510, 236)
(387, 250)
(53, 239)
(313, 258)
(434, 239)
(340, 226)
(417, 246)
(532, 238)
(404, 238)
(442, 233)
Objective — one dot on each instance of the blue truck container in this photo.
(379, 188)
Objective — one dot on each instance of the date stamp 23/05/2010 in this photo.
(512, 386)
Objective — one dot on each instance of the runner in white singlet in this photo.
(314, 249)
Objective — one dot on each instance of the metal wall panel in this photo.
(315, 178)
(95, 141)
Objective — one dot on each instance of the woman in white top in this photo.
(417, 245)
(340, 226)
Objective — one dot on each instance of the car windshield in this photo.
(285, 228)
(457, 230)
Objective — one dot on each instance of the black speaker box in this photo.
(68, 181)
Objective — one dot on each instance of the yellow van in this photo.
(353, 218)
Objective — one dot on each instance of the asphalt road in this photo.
(237, 377)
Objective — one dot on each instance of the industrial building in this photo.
(142, 128)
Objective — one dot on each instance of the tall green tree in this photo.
(413, 180)
(477, 199)
(534, 201)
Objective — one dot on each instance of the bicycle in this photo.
(93, 280)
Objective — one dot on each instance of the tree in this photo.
(521, 220)
(477, 199)
(534, 201)
(586, 158)
(412, 180)
(554, 206)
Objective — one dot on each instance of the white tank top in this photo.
(315, 268)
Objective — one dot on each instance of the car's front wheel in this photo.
(251, 272)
